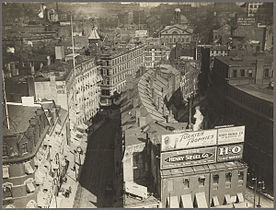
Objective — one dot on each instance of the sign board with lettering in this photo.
(136, 189)
(193, 139)
(229, 152)
(141, 33)
(248, 21)
(231, 135)
(189, 157)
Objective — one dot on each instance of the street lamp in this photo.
(255, 190)
(261, 187)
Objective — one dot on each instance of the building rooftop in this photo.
(259, 91)
(19, 117)
(245, 60)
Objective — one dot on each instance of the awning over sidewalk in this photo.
(173, 202)
(28, 168)
(186, 201)
(241, 205)
(240, 197)
(215, 201)
(227, 199)
(5, 171)
(201, 200)
(30, 187)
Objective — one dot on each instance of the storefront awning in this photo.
(28, 168)
(227, 199)
(186, 201)
(30, 187)
(240, 197)
(201, 200)
(241, 205)
(173, 202)
(215, 201)
(5, 171)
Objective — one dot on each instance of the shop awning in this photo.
(215, 201)
(186, 201)
(201, 200)
(173, 202)
(241, 205)
(30, 187)
(5, 171)
(227, 199)
(240, 197)
(28, 168)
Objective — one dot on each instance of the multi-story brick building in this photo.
(156, 54)
(252, 8)
(76, 90)
(242, 93)
(28, 160)
(171, 35)
(116, 65)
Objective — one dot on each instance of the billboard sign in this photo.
(192, 139)
(231, 135)
(190, 157)
(229, 152)
(248, 21)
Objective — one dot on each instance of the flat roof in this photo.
(258, 91)
(245, 60)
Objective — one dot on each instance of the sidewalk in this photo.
(265, 202)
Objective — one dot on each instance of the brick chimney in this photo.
(259, 71)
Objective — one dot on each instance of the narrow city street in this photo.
(264, 201)
(97, 172)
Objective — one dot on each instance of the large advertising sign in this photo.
(136, 189)
(229, 152)
(193, 139)
(231, 135)
(189, 157)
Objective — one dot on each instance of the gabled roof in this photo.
(184, 28)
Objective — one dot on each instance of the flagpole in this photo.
(5, 100)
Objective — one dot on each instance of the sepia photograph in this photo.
(137, 104)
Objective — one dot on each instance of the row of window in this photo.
(249, 73)
(87, 75)
(215, 179)
(122, 67)
(124, 58)
(177, 39)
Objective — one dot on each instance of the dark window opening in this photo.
(201, 181)
(228, 177)
(186, 183)
(215, 179)
(241, 175)
(234, 73)
(266, 73)
(242, 72)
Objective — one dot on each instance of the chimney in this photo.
(141, 121)
(259, 71)
(59, 52)
(48, 60)
(41, 66)
(137, 114)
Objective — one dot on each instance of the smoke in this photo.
(199, 119)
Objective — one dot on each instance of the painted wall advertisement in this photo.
(192, 139)
(190, 157)
(231, 135)
(229, 152)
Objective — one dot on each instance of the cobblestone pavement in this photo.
(97, 171)
(265, 202)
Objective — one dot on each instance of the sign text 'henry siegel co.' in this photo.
(189, 157)
(193, 139)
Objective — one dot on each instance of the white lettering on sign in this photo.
(225, 150)
(229, 152)
(185, 140)
(231, 135)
